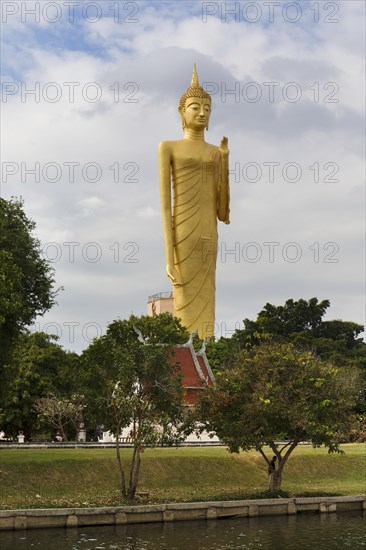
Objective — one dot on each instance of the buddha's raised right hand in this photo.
(223, 147)
(173, 275)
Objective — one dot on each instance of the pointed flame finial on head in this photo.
(194, 81)
(195, 90)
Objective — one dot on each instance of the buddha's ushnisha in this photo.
(197, 172)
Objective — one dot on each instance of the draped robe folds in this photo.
(194, 223)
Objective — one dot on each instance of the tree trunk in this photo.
(120, 465)
(62, 433)
(134, 472)
(275, 481)
(60, 428)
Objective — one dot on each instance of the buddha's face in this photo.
(197, 113)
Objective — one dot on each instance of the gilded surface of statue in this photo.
(194, 190)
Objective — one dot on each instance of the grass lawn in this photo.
(35, 478)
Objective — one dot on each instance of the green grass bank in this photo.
(41, 478)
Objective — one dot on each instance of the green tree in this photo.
(26, 279)
(135, 383)
(37, 367)
(275, 392)
(300, 323)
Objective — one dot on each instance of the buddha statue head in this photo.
(195, 98)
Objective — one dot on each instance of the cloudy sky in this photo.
(91, 88)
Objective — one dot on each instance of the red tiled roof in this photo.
(183, 356)
(196, 373)
(204, 369)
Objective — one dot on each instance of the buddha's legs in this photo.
(194, 301)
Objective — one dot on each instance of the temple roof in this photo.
(195, 368)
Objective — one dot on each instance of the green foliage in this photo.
(37, 367)
(26, 290)
(160, 329)
(300, 323)
(119, 357)
(274, 392)
(26, 279)
(292, 317)
(133, 381)
(221, 354)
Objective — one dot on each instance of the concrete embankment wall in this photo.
(80, 517)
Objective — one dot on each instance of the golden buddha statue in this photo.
(198, 173)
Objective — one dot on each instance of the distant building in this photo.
(163, 302)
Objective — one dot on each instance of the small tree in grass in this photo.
(275, 392)
(58, 412)
(136, 384)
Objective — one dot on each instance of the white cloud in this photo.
(111, 195)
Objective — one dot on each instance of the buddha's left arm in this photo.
(223, 191)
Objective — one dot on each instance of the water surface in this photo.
(306, 531)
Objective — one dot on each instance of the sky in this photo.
(90, 88)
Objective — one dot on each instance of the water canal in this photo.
(301, 532)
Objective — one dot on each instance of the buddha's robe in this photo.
(194, 222)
